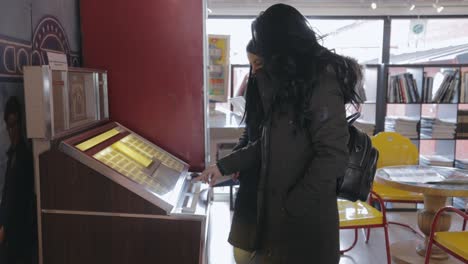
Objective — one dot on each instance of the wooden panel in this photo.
(153, 51)
(66, 184)
(76, 239)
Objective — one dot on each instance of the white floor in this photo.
(371, 253)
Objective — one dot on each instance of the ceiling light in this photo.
(439, 9)
(412, 7)
(374, 5)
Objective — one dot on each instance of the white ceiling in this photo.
(341, 7)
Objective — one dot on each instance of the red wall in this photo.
(153, 51)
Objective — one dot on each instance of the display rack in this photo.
(438, 127)
(426, 102)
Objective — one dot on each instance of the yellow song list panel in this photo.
(151, 152)
(173, 164)
(92, 142)
(129, 168)
(141, 159)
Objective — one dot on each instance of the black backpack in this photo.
(359, 176)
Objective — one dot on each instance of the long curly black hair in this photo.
(293, 55)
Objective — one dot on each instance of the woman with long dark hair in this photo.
(304, 88)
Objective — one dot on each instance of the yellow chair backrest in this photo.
(395, 149)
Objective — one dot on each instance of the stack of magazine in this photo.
(405, 126)
(402, 88)
(437, 128)
(428, 175)
(367, 127)
(436, 160)
(461, 163)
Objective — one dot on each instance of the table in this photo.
(225, 127)
(436, 184)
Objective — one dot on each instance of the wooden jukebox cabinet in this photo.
(105, 194)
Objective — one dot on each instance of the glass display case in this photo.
(60, 102)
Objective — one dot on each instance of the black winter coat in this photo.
(244, 220)
(297, 214)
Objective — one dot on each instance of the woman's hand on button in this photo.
(209, 175)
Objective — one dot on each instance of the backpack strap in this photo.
(353, 118)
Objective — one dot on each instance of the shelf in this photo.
(436, 139)
(429, 103)
(404, 103)
(405, 136)
(440, 103)
(456, 65)
(416, 109)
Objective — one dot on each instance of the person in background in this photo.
(243, 86)
(303, 89)
(256, 62)
(17, 205)
(244, 220)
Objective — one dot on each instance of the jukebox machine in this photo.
(106, 194)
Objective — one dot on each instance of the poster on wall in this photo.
(218, 68)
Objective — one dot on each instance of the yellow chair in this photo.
(455, 243)
(394, 150)
(361, 215)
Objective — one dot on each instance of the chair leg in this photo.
(428, 252)
(407, 226)
(464, 225)
(354, 243)
(387, 245)
(367, 234)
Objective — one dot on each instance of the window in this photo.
(341, 35)
(338, 34)
(429, 41)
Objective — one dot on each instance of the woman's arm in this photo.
(243, 141)
(239, 160)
